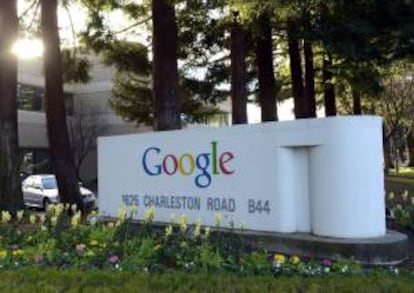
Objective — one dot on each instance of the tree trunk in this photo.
(356, 101)
(386, 143)
(266, 75)
(238, 73)
(296, 72)
(166, 102)
(309, 78)
(410, 145)
(329, 90)
(60, 151)
(11, 198)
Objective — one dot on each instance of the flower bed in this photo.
(56, 240)
(401, 208)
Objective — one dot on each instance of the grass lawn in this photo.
(34, 280)
(404, 176)
(407, 172)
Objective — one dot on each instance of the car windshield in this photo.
(49, 183)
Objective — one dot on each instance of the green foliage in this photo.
(401, 206)
(60, 241)
(75, 68)
(256, 263)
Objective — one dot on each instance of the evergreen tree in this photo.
(59, 145)
(11, 198)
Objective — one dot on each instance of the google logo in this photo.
(202, 165)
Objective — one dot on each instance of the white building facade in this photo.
(91, 98)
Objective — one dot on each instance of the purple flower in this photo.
(327, 262)
(113, 259)
(14, 247)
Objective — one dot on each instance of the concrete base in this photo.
(390, 249)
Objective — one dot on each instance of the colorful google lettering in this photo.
(155, 163)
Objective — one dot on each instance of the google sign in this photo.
(311, 176)
(156, 163)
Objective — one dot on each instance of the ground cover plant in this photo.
(58, 243)
(401, 208)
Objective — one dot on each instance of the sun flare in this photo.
(28, 48)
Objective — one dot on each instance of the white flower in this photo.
(20, 215)
(404, 195)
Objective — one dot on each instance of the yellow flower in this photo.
(32, 219)
(3, 254)
(279, 258)
(197, 231)
(168, 231)
(183, 223)
(294, 259)
(5, 217)
(51, 209)
(20, 215)
(59, 208)
(122, 213)
(93, 243)
(53, 221)
(75, 220)
(217, 219)
(42, 219)
(133, 211)
(18, 253)
(207, 232)
(149, 214)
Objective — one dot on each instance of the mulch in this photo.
(409, 263)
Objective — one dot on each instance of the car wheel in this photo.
(46, 203)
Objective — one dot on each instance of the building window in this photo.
(31, 98)
(35, 161)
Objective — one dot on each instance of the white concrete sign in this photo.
(319, 176)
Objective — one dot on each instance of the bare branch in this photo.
(134, 25)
